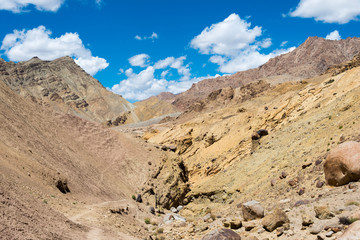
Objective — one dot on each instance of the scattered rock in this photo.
(207, 217)
(316, 229)
(301, 202)
(329, 234)
(283, 175)
(139, 198)
(342, 165)
(301, 191)
(179, 208)
(322, 212)
(279, 231)
(274, 220)
(174, 210)
(273, 182)
(235, 224)
(262, 132)
(252, 210)
(152, 210)
(320, 184)
(293, 182)
(250, 225)
(306, 165)
(221, 234)
(170, 217)
(306, 220)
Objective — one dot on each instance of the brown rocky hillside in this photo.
(229, 164)
(64, 86)
(45, 154)
(310, 59)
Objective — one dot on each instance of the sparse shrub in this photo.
(347, 221)
(328, 149)
(147, 220)
(329, 117)
(160, 230)
(45, 201)
(352, 203)
(340, 127)
(133, 197)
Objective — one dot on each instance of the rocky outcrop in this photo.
(342, 164)
(64, 86)
(168, 186)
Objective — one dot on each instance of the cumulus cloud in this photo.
(247, 60)
(154, 79)
(140, 60)
(17, 6)
(153, 36)
(328, 11)
(25, 44)
(333, 35)
(233, 45)
(226, 37)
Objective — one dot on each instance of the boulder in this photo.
(342, 165)
(322, 212)
(274, 220)
(352, 233)
(252, 210)
(222, 234)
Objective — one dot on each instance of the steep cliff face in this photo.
(63, 85)
(310, 59)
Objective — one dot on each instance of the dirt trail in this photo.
(91, 216)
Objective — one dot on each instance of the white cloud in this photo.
(333, 35)
(25, 44)
(328, 11)
(153, 36)
(283, 43)
(233, 45)
(227, 37)
(17, 6)
(140, 60)
(153, 79)
(247, 60)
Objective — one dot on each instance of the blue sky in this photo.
(139, 48)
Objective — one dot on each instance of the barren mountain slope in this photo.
(41, 150)
(226, 167)
(310, 59)
(153, 107)
(64, 86)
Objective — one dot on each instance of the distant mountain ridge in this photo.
(64, 86)
(310, 59)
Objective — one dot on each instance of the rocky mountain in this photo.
(310, 59)
(64, 86)
(54, 167)
(260, 164)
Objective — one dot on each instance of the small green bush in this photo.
(133, 197)
(147, 220)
